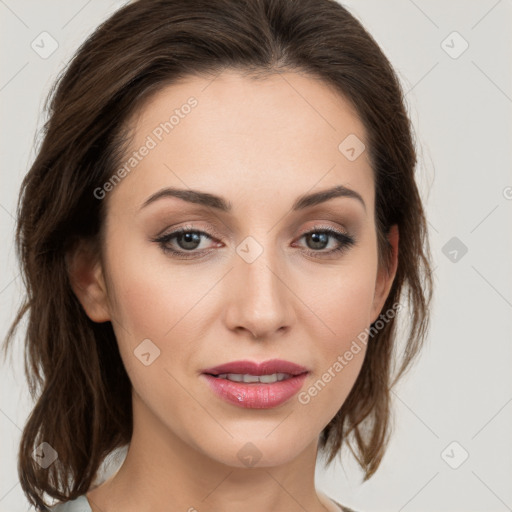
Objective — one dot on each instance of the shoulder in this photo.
(79, 504)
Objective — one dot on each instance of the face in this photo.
(259, 273)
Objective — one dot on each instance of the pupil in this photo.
(319, 238)
(191, 238)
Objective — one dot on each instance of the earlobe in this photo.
(87, 281)
(386, 274)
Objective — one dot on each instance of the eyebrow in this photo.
(221, 204)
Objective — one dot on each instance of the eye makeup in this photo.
(169, 242)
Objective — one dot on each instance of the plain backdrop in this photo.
(451, 449)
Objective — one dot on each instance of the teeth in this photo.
(265, 379)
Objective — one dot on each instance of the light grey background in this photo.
(460, 391)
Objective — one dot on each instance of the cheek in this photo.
(156, 324)
(342, 300)
(339, 354)
(152, 297)
(342, 316)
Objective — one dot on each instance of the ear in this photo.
(386, 275)
(87, 281)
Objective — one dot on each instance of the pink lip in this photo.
(256, 395)
(264, 368)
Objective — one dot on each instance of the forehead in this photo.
(236, 136)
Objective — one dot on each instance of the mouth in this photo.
(247, 378)
(256, 385)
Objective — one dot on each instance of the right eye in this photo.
(187, 239)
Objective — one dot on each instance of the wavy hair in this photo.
(75, 374)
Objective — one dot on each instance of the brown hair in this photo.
(73, 367)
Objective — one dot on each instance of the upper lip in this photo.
(253, 368)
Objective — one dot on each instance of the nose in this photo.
(260, 300)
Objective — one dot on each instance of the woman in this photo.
(218, 233)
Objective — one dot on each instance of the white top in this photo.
(80, 504)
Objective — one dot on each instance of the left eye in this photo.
(319, 238)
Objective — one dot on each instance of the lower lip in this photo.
(256, 395)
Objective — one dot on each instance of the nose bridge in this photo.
(260, 300)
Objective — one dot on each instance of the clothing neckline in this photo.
(84, 501)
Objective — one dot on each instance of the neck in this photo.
(163, 472)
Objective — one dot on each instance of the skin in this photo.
(260, 145)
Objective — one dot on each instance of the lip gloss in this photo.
(256, 395)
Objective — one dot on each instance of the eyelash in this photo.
(346, 241)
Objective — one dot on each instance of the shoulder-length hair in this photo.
(73, 367)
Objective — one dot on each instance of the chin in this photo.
(258, 451)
